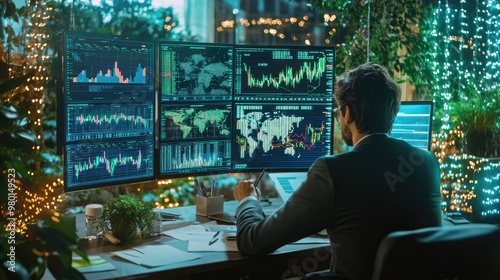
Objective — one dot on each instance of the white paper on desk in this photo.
(155, 255)
(182, 233)
(312, 240)
(198, 242)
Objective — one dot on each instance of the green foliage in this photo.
(16, 136)
(50, 244)
(478, 111)
(477, 114)
(16, 141)
(59, 244)
(13, 128)
(398, 37)
(127, 217)
(52, 241)
(124, 18)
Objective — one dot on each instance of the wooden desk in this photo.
(286, 262)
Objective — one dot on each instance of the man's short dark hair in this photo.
(372, 96)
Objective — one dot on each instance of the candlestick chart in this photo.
(138, 110)
(109, 110)
(279, 72)
(109, 161)
(97, 121)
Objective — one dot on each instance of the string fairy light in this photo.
(273, 26)
(469, 184)
(35, 199)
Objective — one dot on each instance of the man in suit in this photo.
(382, 185)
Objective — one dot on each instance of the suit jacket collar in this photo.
(369, 139)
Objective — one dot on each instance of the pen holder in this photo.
(209, 205)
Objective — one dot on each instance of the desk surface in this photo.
(291, 260)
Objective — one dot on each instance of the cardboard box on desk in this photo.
(209, 205)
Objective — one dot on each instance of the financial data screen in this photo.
(195, 137)
(109, 106)
(194, 72)
(108, 69)
(138, 110)
(284, 73)
(280, 135)
(195, 111)
(413, 123)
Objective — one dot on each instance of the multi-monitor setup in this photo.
(143, 110)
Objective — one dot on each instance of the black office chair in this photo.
(469, 251)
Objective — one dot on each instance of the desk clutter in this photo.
(203, 237)
(207, 237)
(186, 242)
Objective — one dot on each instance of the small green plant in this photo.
(479, 118)
(480, 112)
(127, 218)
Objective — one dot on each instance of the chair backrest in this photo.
(459, 252)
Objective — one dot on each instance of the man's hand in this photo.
(245, 188)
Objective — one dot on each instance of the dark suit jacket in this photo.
(382, 185)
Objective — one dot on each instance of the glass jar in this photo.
(92, 214)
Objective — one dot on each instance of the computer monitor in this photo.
(413, 123)
(108, 107)
(195, 112)
(283, 106)
(195, 138)
(200, 108)
(195, 71)
(278, 73)
(280, 136)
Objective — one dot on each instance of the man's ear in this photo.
(347, 115)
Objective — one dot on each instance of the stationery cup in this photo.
(209, 205)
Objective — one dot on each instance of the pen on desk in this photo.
(203, 189)
(212, 190)
(257, 181)
(231, 238)
(197, 185)
(215, 187)
(214, 239)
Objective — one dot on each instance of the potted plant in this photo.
(127, 218)
(479, 116)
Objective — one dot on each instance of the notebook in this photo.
(287, 182)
